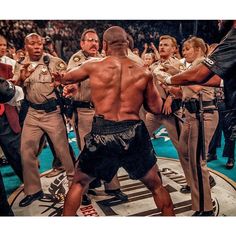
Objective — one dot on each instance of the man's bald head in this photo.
(115, 35)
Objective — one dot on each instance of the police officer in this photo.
(218, 66)
(57, 166)
(171, 105)
(89, 44)
(201, 118)
(44, 115)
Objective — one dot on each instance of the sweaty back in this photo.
(117, 87)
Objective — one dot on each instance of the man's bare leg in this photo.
(74, 195)
(161, 196)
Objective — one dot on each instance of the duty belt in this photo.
(83, 104)
(193, 105)
(48, 106)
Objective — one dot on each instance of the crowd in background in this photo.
(66, 33)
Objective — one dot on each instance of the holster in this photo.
(176, 105)
(193, 106)
(68, 107)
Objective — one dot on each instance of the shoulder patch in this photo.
(60, 65)
(76, 58)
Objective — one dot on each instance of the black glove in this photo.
(7, 90)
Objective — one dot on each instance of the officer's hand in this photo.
(170, 69)
(57, 78)
(166, 87)
(160, 78)
(167, 106)
(25, 71)
(13, 81)
(70, 90)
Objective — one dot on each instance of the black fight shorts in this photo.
(112, 145)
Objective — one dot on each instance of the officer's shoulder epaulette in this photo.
(181, 67)
(59, 63)
(78, 56)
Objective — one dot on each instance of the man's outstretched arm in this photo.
(77, 74)
(214, 81)
(199, 74)
(73, 76)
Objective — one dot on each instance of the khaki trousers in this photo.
(195, 168)
(153, 122)
(35, 125)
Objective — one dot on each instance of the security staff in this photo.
(44, 115)
(218, 66)
(57, 166)
(201, 118)
(171, 105)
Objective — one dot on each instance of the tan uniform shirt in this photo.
(208, 93)
(84, 87)
(37, 85)
(157, 69)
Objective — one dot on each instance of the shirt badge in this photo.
(44, 70)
